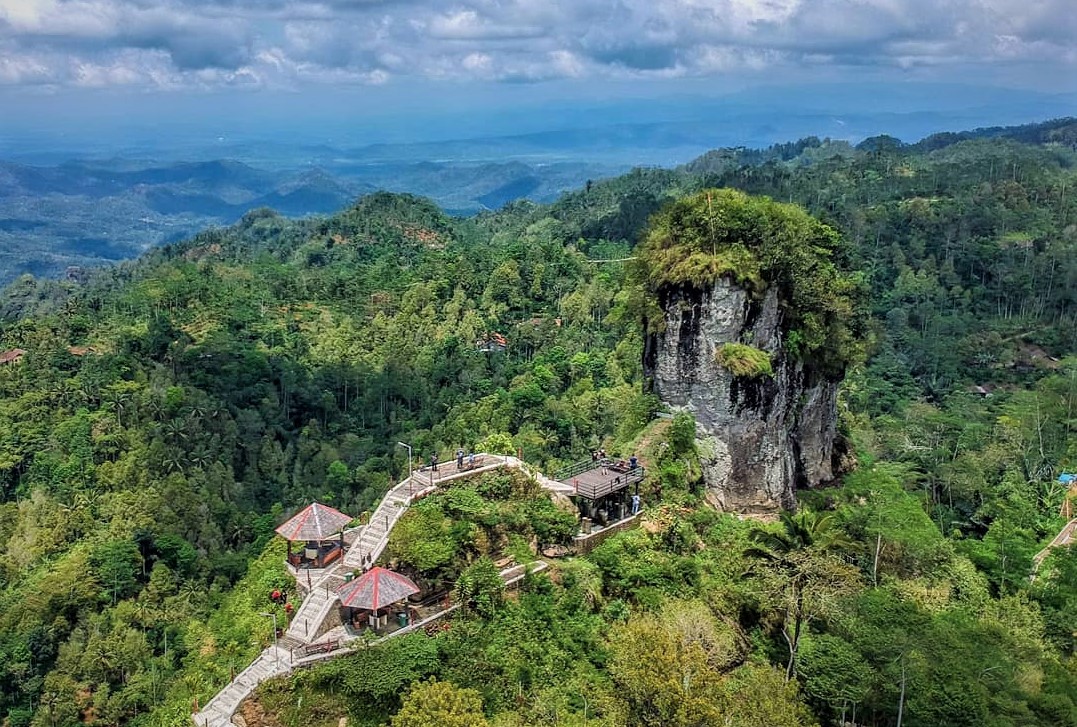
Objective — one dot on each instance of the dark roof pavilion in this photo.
(314, 522)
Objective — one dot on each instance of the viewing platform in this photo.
(597, 478)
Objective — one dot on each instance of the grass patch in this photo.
(741, 359)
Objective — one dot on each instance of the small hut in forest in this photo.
(373, 594)
(13, 356)
(321, 530)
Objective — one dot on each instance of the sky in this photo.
(72, 63)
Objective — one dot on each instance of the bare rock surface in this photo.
(759, 437)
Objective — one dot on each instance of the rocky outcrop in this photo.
(759, 437)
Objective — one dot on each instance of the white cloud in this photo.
(231, 42)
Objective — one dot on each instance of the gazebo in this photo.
(320, 528)
(375, 591)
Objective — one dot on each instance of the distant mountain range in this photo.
(87, 213)
(115, 199)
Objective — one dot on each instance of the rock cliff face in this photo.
(759, 437)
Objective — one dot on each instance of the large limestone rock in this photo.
(759, 437)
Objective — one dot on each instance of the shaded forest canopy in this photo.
(169, 412)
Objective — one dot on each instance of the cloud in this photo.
(177, 43)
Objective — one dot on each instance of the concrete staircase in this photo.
(315, 607)
(374, 536)
(365, 541)
(219, 710)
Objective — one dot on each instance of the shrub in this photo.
(742, 360)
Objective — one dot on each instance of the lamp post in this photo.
(410, 483)
(276, 652)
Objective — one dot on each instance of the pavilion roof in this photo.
(11, 356)
(314, 522)
(377, 588)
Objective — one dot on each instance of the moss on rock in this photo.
(742, 360)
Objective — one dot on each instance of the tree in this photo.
(480, 588)
(498, 443)
(682, 434)
(440, 703)
(757, 695)
(117, 564)
(668, 667)
(801, 575)
(835, 675)
(423, 539)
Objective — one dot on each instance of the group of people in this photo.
(460, 459)
(280, 598)
(599, 456)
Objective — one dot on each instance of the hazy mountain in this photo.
(92, 212)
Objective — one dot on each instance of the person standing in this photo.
(459, 458)
(633, 462)
(635, 504)
(434, 462)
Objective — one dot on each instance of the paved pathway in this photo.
(1066, 536)
(364, 541)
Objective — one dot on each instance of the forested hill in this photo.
(158, 421)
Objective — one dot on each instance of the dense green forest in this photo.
(167, 413)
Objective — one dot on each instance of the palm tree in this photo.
(801, 555)
(200, 456)
(804, 529)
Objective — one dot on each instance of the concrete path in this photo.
(365, 542)
(1066, 536)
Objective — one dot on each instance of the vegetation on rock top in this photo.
(760, 243)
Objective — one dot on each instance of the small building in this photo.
(320, 529)
(492, 343)
(372, 595)
(601, 488)
(13, 356)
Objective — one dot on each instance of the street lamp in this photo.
(276, 652)
(408, 447)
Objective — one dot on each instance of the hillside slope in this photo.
(165, 415)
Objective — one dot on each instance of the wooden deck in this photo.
(592, 484)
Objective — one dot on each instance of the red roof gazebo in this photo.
(321, 528)
(375, 590)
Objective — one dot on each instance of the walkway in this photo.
(1066, 536)
(365, 542)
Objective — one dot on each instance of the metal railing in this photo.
(618, 481)
(578, 468)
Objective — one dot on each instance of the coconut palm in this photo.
(802, 560)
